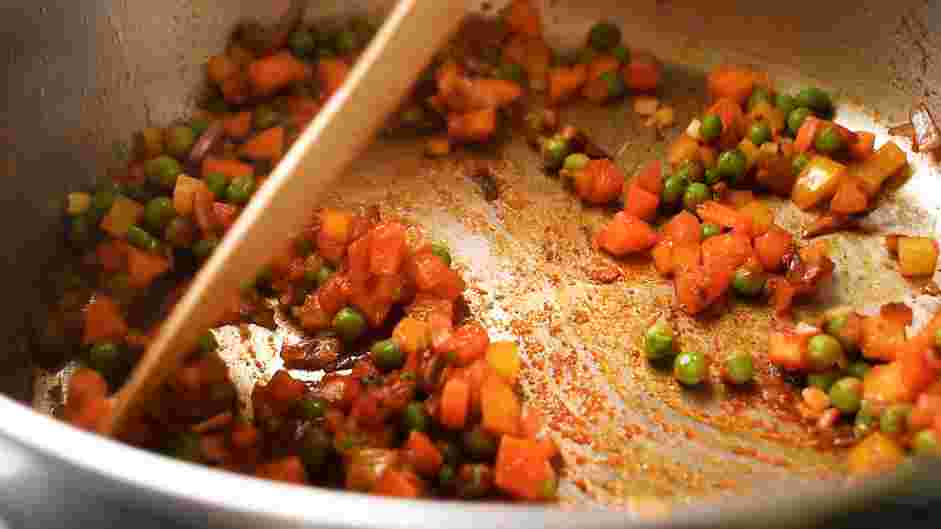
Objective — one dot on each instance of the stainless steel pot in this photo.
(82, 76)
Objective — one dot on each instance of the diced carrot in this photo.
(885, 384)
(819, 181)
(684, 148)
(732, 82)
(143, 267)
(86, 384)
(876, 453)
(123, 214)
(733, 122)
(874, 170)
(531, 423)
(476, 126)
(112, 255)
(689, 286)
(468, 343)
(235, 89)
(387, 248)
(787, 349)
(650, 178)
(422, 454)
(565, 82)
(229, 167)
(917, 374)
(641, 203)
(663, 257)
(332, 73)
(729, 250)
(884, 334)
(523, 17)
(412, 336)
(918, 256)
(455, 397)
(184, 194)
(224, 215)
(303, 109)
(398, 483)
(782, 295)
(522, 469)
(91, 415)
(771, 248)
(760, 215)
(237, 125)
(274, 72)
(642, 73)
(221, 67)
(103, 320)
(864, 145)
(357, 260)
(499, 407)
(725, 216)
(849, 198)
(683, 228)
(599, 182)
(738, 198)
(626, 234)
(504, 358)
(266, 145)
(807, 133)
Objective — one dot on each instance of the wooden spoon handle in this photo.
(405, 43)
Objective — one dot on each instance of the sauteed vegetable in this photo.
(415, 399)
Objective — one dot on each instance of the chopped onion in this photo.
(905, 129)
(926, 132)
(693, 129)
(646, 105)
(206, 142)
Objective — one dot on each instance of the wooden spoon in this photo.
(405, 43)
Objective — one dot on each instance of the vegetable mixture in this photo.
(416, 399)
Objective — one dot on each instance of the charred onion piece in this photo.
(312, 353)
(207, 140)
(827, 224)
(926, 132)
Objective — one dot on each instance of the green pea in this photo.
(180, 140)
(240, 189)
(446, 476)
(711, 127)
(103, 199)
(823, 381)
(823, 352)
(386, 355)
(691, 170)
(616, 86)
(325, 272)
(785, 103)
(621, 53)
(603, 36)
(554, 151)
(204, 247)
(80, 229)
(673, 189)
(217, 183)
(748, 282)
(696, 194)
(739, 368)
(732, 165)
(925, 443)
(658, 340)
(349, 324)
(864, 423)
(316, 446)
(265, 117)
(799, 163)
(796, 119)
(846, 394)
(140, 238)
(689, 368)
(208, 343)
(158, 213)
(894, 419)
(345, 42)
(162, 171)
(710, 230)
(815, 99)
(312, 408)
(937, 339)
(712, 176)
(510, 71)
(104, 357)
(858, 369)
(829, 141)
(442, 251)
(759, 95)
(199, 126)
(575, 162)
(414, 417)
(302, 43)
(479, 444)
(759, 133)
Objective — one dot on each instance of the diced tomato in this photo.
(849, 198)
(455, 399)
(683, 228)
(642, 73)
(650, 178)
(468, 343)
(427, 270)
(274, 72)
(787, 349)
(917, 374)
(885, 384)
(599, 182)
(387, 248)
(663, 257)
(725, 216)
(335, 293)
(733, 82)
(806, 134)
(641, 203)
(771, 248)
(340, 391)
(266, 145)
(422, 454)
(112, 255)
(357, 259)
(237, 125)
(626, 234)
(225, 214)
(144, 267)
(103, 320)
(522, 469)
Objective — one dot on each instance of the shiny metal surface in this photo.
(83, 76)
